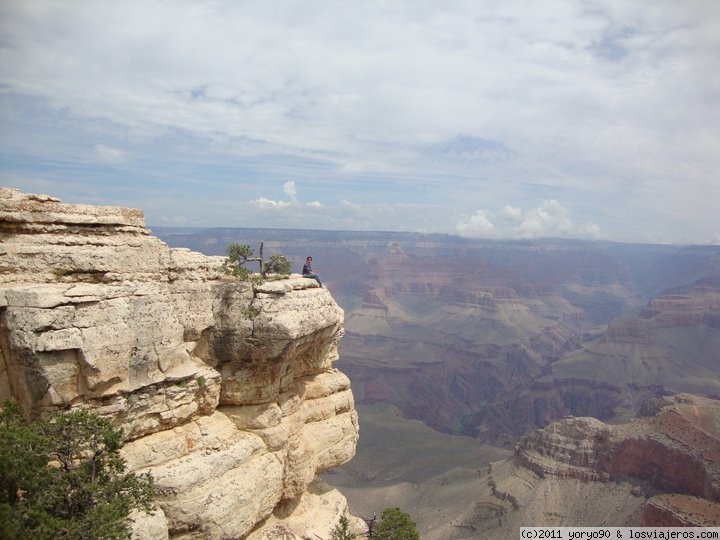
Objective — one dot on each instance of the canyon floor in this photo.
(401, 462)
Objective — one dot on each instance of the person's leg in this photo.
(314, 276)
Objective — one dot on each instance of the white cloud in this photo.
(290, 190)
(477, 225)
(263, 202)
(550, 219)
(605, 105)
(511, 212)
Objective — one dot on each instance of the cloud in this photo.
(477, 225)
(379, 73)
(290, 190)
(608, 106)
(511, 213)
(263, 202)
(550, 219)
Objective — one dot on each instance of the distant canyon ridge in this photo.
(492, 339)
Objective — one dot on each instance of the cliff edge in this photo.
(225, 391)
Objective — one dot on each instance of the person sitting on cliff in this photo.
(308, 272)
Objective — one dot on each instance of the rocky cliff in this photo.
(661, 469)
(673, 446)
(225, 391)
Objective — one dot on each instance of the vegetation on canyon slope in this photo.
(395, 525)
(62, 477)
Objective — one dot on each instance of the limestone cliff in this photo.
(225, 391)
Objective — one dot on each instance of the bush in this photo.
(278, 264)
(342, 530)
(62, 477)
(239, 254)
(395, 525)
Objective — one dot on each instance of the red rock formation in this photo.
(628, 331)
(688, 308)
(676, 450)
(680, 511)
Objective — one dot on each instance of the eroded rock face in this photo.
(674, 445)
(661, 469)
(225, 392)
(672, 510)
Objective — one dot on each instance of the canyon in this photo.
(492, 339)
(659, 469)
(488, 341)
(495, 384)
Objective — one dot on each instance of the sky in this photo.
(591, 119)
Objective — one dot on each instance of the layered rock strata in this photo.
(661, 469)
(673, 446)
(225, 391)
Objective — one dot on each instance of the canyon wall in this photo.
(673, 446)
(225, 390)
(660, 469)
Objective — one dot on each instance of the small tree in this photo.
(395, 525)
(342, 530)
(278, 264)
(62, 477)
(239, 254)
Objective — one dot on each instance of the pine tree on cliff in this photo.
(62, 477)
(239, 254)
(342, 530)
(395, 525)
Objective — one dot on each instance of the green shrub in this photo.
(342, 530)
(62, 477)
(239, 254)
(278, 264)
(395, 525)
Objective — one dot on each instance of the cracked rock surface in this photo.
(225, 391)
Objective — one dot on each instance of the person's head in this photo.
(309, 259)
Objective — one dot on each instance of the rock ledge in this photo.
(225, 393)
